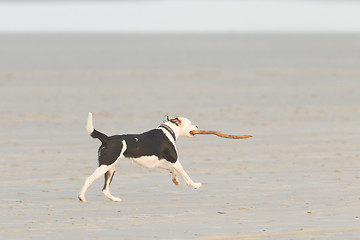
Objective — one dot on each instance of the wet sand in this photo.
(297, 178)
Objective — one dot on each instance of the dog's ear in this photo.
(176, 121)
(167, 118)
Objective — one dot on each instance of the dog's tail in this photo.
(93, 132)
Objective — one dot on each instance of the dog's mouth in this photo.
(193, 132)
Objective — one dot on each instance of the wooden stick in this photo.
(193, 132)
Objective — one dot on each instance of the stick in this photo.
(193, 132)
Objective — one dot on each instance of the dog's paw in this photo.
(176, 180)
(115, 199)
(111, 197)
(81, 197)
(197, 185)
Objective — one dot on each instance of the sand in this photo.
(297, 178)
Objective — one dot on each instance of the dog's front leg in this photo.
(179, 168)
(172, 172)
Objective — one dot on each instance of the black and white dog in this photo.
(155, 148)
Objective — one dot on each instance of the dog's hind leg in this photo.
(106, 190)
(96, 174)
(107, 160)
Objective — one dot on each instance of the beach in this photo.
(298, 95)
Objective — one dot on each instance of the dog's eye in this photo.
(176, 121)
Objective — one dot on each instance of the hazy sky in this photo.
(180, 16)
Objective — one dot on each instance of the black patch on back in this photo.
(153, 142)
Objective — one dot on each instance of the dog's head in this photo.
(182, 126)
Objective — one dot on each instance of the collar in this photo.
(163, 125)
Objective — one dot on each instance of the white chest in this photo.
(148, 161)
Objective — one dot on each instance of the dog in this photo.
(154, 148)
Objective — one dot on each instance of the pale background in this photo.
(286, 72)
